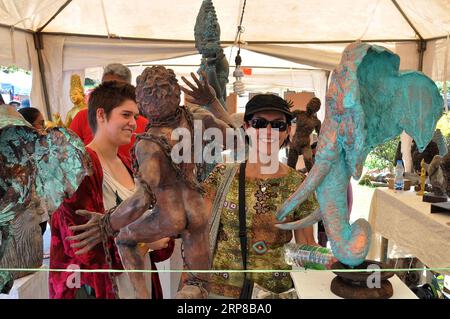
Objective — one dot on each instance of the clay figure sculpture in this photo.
(437, 177)
(170, 189)
(307, 122)
(38, 169)
(369, 101)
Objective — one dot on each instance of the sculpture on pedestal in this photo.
(369, 101)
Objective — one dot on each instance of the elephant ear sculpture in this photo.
(369, 101)
(38, 170)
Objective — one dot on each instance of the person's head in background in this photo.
(112, 112)
(15, 104)
(33, 116)
(116, 72)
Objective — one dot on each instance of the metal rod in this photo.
(328, 42)
(54, 16)
(6, 26)
(422, 47)
(231, 66)
(118, 38)
(407, 19)
(225, 42)
(437, 38)
(38, 45)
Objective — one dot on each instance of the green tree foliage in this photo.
(89, 83)
(444, 124)
(440, 86)
(383, 155)
(13, 69)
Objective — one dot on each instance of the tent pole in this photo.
(407, 19)
(223, 42)
(54, 16)
(38, 44)
(422, 47)
(422, 42)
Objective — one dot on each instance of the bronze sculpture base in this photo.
(354, 285)
(432, 198)
(342, 289)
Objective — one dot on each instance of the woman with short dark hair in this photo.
(112, 117)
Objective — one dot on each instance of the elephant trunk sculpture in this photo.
(368, 102)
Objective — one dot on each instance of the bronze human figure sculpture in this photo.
(171, 190)
(436, 174)
(307, 122)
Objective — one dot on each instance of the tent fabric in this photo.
(328, 56)
(268, 73)
(290, 20)
(434, 59)
(65, 55)
(15, 51)
(142, 30)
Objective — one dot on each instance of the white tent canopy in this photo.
(78, 34)
(267, 73)
(265, 20)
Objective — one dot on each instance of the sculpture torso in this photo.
(306, 124)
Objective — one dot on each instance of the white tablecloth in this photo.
(404, 219)
(316, 285)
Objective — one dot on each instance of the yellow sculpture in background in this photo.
(423, 176)
(77, 98)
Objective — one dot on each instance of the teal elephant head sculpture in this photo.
(369, 101)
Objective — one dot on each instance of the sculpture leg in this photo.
(292, 157)
(195, 253)
(135, 257)
(196, 248)
(148, 228)
(307, 157)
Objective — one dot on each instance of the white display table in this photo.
(403, 218)
(34, 286)
(315, 284)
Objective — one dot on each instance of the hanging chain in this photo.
(240, 30)
(106, 230)
(166, 147)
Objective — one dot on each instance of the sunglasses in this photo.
(263, 123)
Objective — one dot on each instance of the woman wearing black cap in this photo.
(267, 123)
(247, 238)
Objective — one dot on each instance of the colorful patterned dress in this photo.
(265, 241)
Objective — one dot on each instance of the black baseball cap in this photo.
(267, 102)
